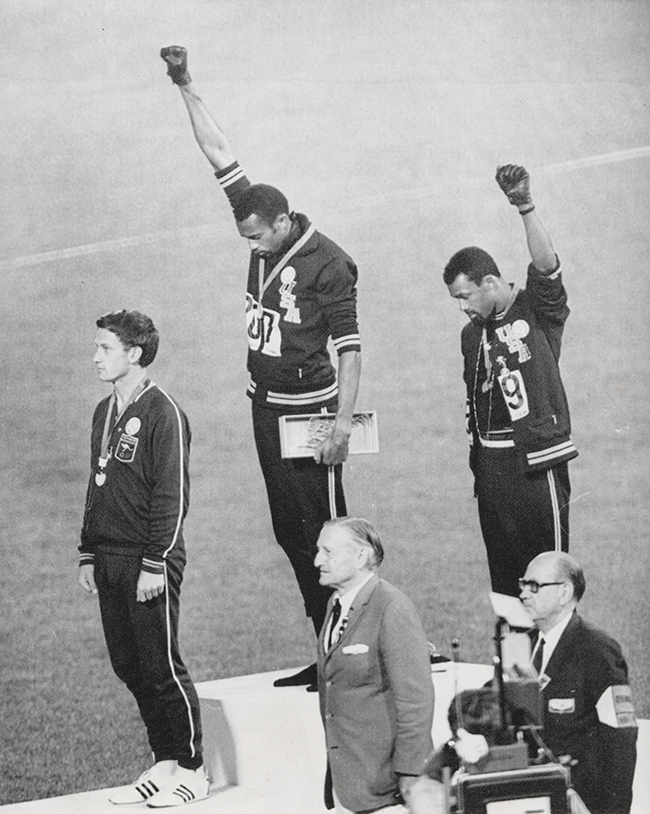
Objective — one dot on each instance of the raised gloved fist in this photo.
(176, 58)
(515, 182)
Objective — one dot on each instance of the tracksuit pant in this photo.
(302, 496)
(142, 640)
(522, 514)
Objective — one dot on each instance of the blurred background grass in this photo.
(384, 122)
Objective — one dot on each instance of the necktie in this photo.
(334, 618)
(539, 655)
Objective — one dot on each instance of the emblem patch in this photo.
(512, 336)
(562, 706)
(126, 447)
(133, 425)
(287, 297)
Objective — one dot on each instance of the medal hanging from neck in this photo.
(106, 452)
(263, 284)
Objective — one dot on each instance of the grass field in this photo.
(384, 122)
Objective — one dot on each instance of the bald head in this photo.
(566, 568)
(552, 586)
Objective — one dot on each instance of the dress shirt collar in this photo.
(551, 638)
(348, 597)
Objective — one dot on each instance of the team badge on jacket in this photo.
(287, 297)
(126, 448)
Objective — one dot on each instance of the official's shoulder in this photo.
(391, 593)
(596, 636)
(595, 645)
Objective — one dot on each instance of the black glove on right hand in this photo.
(176, 58)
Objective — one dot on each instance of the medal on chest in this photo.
(100, 477)
(132, 426)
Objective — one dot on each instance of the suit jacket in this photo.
(376, 698)
(587, 667)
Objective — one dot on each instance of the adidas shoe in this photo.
(148, 784)
(186, 786)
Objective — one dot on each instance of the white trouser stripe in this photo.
(331, 488)
(556, 509)
(171, 666)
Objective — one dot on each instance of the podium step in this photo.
(265, 750)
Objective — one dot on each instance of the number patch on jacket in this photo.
(514, 392)
(263, 328)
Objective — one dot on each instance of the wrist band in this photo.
(527, 211)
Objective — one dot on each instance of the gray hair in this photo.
(363, 533)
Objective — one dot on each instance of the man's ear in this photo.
(134, 355)
(568, 593)
(282, 223)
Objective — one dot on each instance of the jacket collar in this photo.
(356, 611)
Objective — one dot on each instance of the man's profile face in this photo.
(264, 239)
(544, 607)
(112, 360)
(338, 558)
(476, 301)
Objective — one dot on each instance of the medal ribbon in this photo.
(108, 430)
(262, 285)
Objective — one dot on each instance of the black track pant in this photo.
(521, 514)
(302, 496)
(142, 640)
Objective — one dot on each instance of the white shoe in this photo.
(148, 784)
(187, 786)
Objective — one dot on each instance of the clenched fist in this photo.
(515, 183)
(176, 58)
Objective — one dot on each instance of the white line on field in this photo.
(195, 231)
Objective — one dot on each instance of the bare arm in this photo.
(209, 136)
(514, 180)
(539, 243)
(334, 450)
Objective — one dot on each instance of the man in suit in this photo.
(588, 710)
(374, 676)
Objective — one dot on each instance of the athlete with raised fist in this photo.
(517, 411)
(301, 292)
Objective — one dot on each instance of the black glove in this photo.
(176, 58)
(515, 183)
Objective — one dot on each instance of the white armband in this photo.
(616, 708)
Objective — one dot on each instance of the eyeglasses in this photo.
(535, 586)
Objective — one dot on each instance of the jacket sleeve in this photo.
(86, 550)
(337, 296)
(617, 729)
(170, 488)
(233, 181)
(405, 654)
(548, 298)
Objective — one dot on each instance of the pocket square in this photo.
(355, 649)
